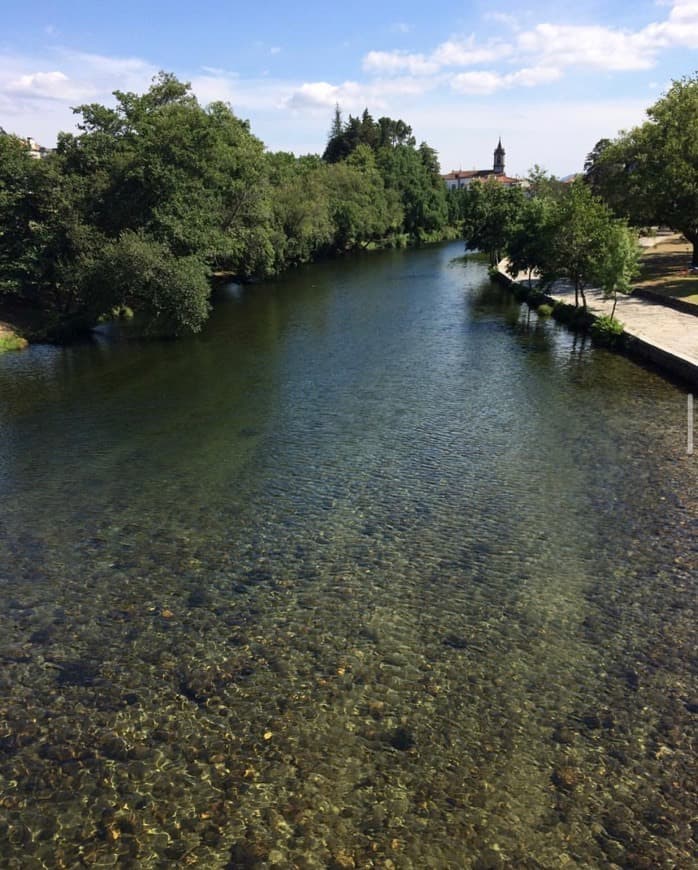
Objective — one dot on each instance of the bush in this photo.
(544, 310)
(606, 330)
(535, 298)
(572, 316)
(12, 342)
(168, 294)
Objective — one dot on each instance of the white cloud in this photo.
(597, 47)
(484, 83)
(401, 27)
(378, 94)
(547, 48)
(39, 99)
(531, 76)
(53, 85)
(393, 62)
(313, 95)
(453, 52)
(680, 28)
(611, 48)
(467, 53)
(504, 18)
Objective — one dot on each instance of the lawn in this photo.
(666, 269)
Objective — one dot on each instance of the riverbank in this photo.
(652, 332)
(666, 276)
(9, 340)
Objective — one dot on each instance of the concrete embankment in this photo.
(653, 332)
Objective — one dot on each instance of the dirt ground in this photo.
(665, 269)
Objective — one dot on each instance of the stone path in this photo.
(669, 337)
(657, 324)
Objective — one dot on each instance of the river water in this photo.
(379, 571)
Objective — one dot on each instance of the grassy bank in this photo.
(666, 271)
(9, 340)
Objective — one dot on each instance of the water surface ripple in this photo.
(379, 571)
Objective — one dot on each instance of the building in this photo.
(462, 178)
(36, 151)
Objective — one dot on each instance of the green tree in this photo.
(189, 181)
(530, 236)
(344, 137)
(361, 208)
(169, 293)
(491, 211)
(301, 207)
(46, 239)
(620, 262)
(578, 243)
(543, 184)
(650, 174)
(422, 194)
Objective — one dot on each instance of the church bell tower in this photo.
(498, 168)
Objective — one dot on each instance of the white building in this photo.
(462, 178)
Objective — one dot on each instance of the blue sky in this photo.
(550, 79)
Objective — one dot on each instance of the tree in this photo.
(580, 238)
(490, 214)
(170, 176)
(620, 262)
(345, 137)
(530, 236)
(301, 208)
(361, 208)
(421, 192)
(169, 293)
(650, 174)
(543, 184)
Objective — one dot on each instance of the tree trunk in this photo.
(693, 239)
(584, 299)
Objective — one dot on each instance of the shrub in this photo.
(606, 330)
(12, 342)
(572, 316)
(544, 310)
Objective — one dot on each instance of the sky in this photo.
(550, 79)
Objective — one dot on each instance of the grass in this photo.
(666, 270)
(10, 341)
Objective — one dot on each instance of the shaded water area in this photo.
(379, 571)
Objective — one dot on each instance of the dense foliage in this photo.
(572, 235)
(156, 195)
(650, 174)
(490, 213)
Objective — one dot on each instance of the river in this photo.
(378, 571)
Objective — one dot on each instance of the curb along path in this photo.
(662, 335)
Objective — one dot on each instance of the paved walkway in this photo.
(669, 337)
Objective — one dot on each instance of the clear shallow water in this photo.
(378, 572)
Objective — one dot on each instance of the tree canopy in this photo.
(650, 173)
(156, 194)
(490, 213)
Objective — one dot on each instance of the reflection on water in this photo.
(380, 571)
